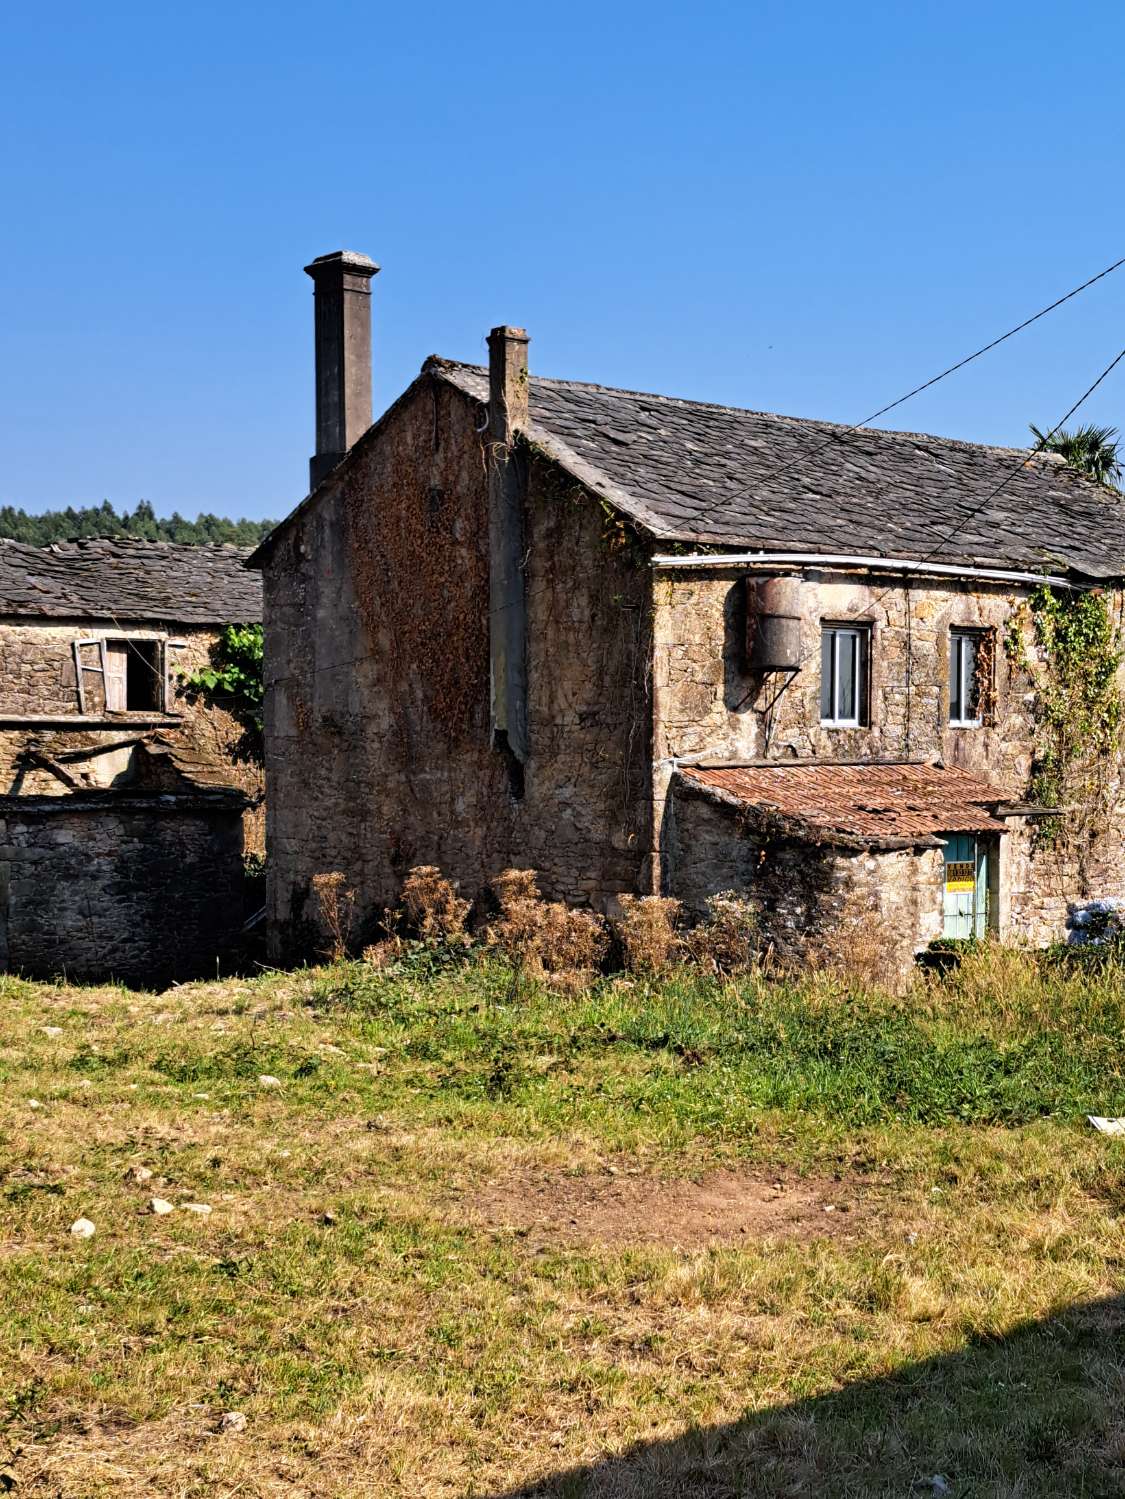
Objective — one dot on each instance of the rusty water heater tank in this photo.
(773, 623)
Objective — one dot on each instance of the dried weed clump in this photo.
(728, 943)
(857, 951)
(543, 937)
(432, 908)
(647, 931)
(336, 900)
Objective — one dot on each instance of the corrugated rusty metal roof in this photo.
(875, 801)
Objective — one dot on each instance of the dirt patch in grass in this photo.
(621, 1207)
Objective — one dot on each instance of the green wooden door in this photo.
(966, 886)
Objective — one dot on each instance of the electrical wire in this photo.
(991, 495)
(841, 433)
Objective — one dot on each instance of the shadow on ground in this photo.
(1039, 1411)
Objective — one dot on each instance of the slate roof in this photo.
(691, 472)
(882, 802)
(130, 580)
(188, 763)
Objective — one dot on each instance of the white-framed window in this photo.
(964, 679)
(843, 675)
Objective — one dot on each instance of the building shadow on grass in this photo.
(1038, 1411)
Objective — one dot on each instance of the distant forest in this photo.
(103, 520)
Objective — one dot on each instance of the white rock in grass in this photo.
(33, 1103)
(139, 1174)
(232, 1421)
(82, 1228)
(159, 1206)
(203, 1208)
(267, 1080)
(52, 1030)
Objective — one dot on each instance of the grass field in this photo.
(480, 1237)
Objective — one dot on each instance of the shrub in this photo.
(728, 941)
(337, 910)
(646, 929)
(516, 928)
(543, 936)
(433, 909)
(859, 950)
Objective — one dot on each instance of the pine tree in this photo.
(103, 521)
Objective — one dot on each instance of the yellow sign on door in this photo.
(961, 876)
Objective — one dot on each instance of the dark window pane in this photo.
(970, 687)
(847, 691)
(826, 693)
(956, 703)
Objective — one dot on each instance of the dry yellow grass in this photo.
(381, 1339)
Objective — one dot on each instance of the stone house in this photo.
(644, 644)
(125, 805)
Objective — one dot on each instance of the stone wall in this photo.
(816, 901)
(37, 681)
(377, 704)
(706, 703)
(146, 891)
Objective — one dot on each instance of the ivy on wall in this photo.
(1067, 644)
(233, 680)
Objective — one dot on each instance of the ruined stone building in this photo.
(126, 804)
(644, 644)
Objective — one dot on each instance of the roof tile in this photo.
(877, 801)
(693, 472)
(127, 579)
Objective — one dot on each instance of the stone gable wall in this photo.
(377, 704)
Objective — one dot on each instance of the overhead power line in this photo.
(992, 493)
(841, 433)
(1011, 474)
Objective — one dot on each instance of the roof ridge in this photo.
(439, 360)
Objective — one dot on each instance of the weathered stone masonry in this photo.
(709, 706)
(625, 531)
(379, 753)
(144, 889)
(125, 803)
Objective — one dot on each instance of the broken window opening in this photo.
(512, 763)
(134, 676)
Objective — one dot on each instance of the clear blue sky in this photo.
(800, 208)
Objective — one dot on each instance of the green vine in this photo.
(233, 680)
(1078, 708)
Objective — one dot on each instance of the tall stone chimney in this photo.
(342, 303)
(507, 496)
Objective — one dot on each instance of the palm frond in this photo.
(1090, 450)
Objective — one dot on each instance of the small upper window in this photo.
(134, 676)
(843, 675)
(964, 679)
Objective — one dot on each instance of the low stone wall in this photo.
(873, 908)
(143, 889)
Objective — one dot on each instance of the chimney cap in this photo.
(506, 331)
(348, 260)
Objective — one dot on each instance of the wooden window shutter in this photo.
(116, 658)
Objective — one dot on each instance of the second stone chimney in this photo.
(507, 497)
(342, 305)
